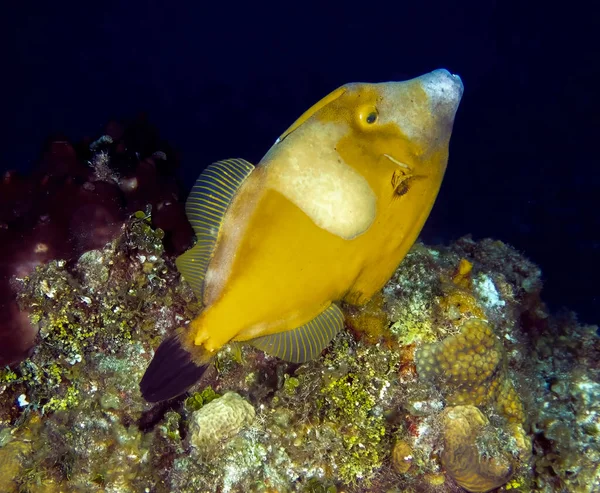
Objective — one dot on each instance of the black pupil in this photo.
(371, 117)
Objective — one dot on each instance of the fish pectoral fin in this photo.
(205, 208)
(304, 343)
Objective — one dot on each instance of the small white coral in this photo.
(220, 419)
(488, 294)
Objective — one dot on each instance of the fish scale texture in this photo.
(220, 419)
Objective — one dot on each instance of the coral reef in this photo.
(566, 410)
(454, 377)
(88, 309)
(125, 170)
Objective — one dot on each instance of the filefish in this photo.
(325, 217)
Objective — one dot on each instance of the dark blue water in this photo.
(225, 81)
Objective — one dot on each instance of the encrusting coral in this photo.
(464, 427)
(462, 355)
(566, 414)
(402, 454)
(89, 309)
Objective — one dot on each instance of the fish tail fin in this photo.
(173, 370)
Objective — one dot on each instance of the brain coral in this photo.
(464, 428)
(471, 369)
(219, 420)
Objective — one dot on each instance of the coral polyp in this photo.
(471, 368)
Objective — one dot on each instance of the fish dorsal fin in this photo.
(205, 208)
(312, 110)
(306, 342)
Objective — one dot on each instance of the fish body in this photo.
(326, 216)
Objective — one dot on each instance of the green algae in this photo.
(7, 376)
(337, 410)
(199, 399)
(410, 294)
(349, 401)
(290, 384)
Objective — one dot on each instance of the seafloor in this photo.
(454, 377)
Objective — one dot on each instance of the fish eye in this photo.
(367, 115)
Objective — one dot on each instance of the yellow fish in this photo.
(326, 216)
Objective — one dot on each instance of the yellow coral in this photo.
(509, 403)
(471, 367)
(402, 454)
(459, 304)
(463, 427)
(522, 442)
(462, 276)
(371, 320)
(435, 479)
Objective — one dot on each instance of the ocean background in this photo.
(225, 79)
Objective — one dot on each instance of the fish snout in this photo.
(442, 84)
(423, 108)
(444, 91)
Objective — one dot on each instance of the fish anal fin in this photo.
(304, 343)
(205, 209)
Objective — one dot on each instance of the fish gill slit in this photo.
(399, 163)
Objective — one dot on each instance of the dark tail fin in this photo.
(171, 372)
